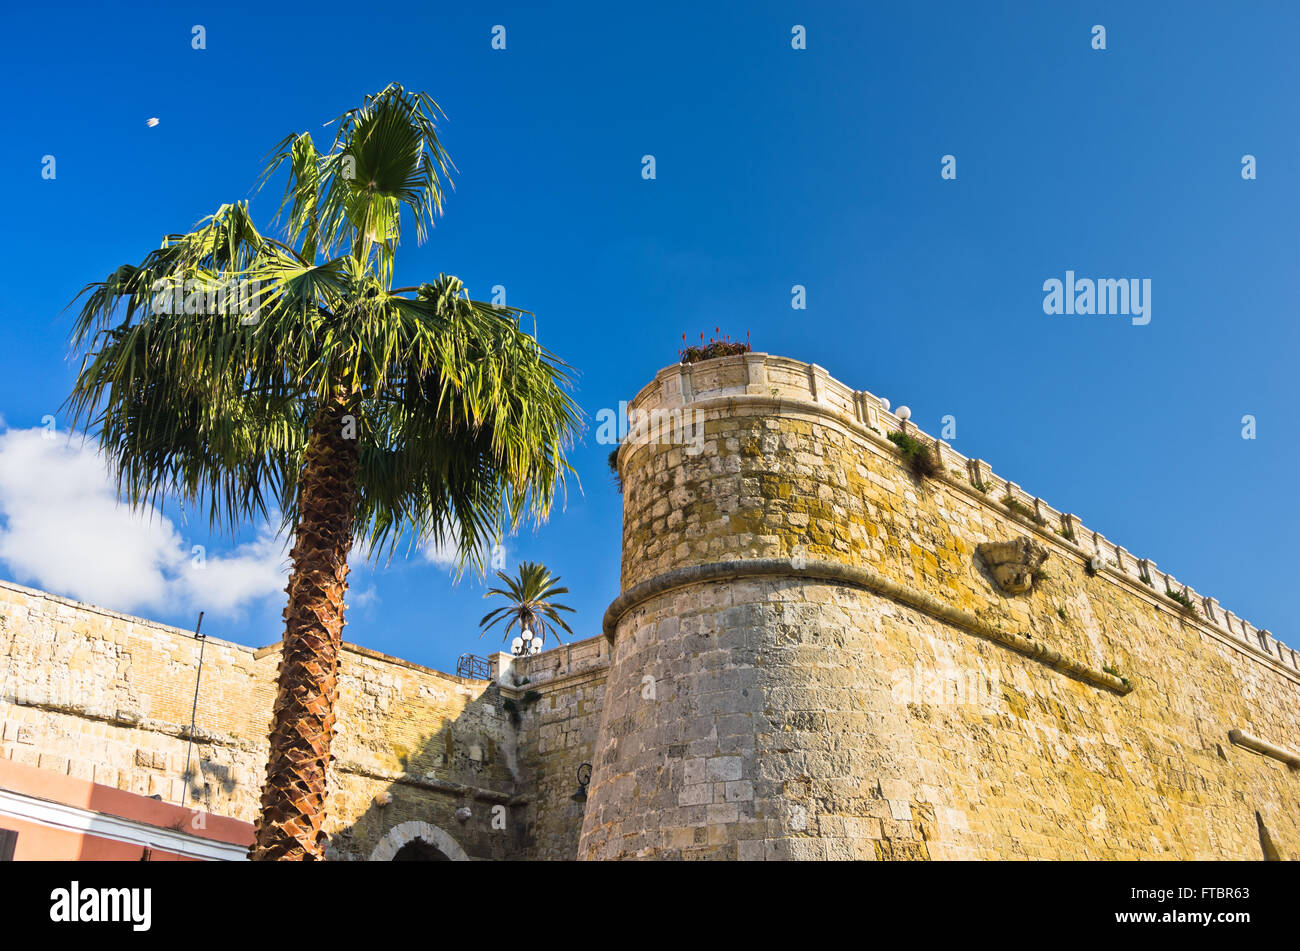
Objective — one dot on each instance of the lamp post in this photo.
(526, 643)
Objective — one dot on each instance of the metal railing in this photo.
(473, 666)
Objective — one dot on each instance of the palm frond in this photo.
(462, 419)
(528, 593)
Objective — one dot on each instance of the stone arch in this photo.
(399, 835)
(417, 850)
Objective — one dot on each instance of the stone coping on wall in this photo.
(129, 618)
(837, 572)
(257, 653)
(1264, 747)
(581, 659)
(782, 385)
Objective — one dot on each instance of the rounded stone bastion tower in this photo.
(820, 652)
(745, 695)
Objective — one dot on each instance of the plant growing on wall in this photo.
(921, 458)
(723, 347)
(515, 709)
(511, 710)
(532, 608)
(1114, 672)
(1020, 509)
(356, 409)
(612, 461)
(1182, 599)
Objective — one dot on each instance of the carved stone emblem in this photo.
(1013, 563)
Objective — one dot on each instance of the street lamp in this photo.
(584, 779)
(526, 643)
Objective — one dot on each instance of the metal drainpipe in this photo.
(198, 677)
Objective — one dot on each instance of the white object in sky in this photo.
(151, 123)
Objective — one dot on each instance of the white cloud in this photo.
(254, 570)
(63, 530)
(359, 597)
(442, 553)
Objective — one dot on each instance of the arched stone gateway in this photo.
(417, 850)
(409, 832)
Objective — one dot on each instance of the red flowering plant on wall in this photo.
(716, 347)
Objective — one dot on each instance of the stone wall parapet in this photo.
(782, 384)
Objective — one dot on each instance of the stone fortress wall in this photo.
(108, 697)
(557, 734)
(810, 659)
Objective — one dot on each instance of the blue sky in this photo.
(775, 167)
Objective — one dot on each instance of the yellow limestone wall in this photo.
(807, 660)
(810, 661)
(557, 734)
(108, 697)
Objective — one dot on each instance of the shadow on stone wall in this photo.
(453, 795)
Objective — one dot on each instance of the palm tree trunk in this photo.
(291, 824)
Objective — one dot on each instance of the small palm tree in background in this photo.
(356, 409)
(530, 607)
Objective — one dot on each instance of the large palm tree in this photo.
(355, 409)
(531, 605)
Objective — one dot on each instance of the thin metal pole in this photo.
(194, 711)
(9, 662)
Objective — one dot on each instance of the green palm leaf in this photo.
(531, 606)
(353, 408)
